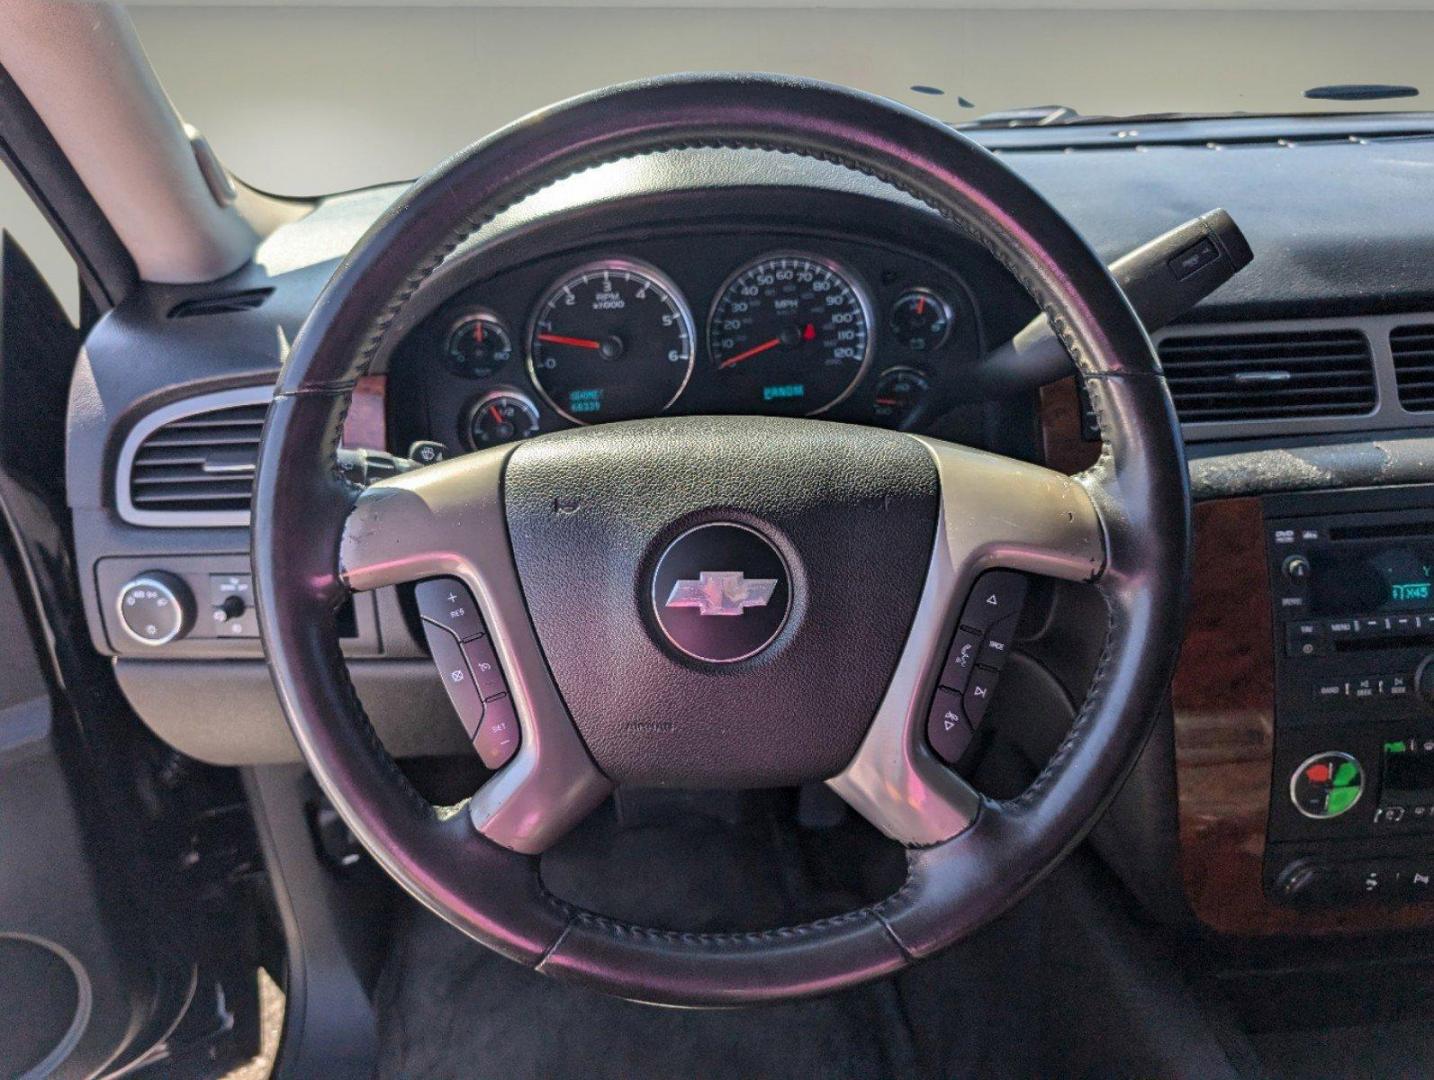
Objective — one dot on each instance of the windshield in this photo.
(314, 97)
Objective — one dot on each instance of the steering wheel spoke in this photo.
(996, 512)
(447, 520)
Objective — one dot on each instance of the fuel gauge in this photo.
(502, 417)
(899, 393)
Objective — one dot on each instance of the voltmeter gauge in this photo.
(479, 345)
(921, 320)
(502, 417)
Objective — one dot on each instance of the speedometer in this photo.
(790, 334)
(611, 341)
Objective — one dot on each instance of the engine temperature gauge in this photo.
(899, 393)
(921, 320)
(502, 417)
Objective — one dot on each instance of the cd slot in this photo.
(1389, 530)
(1372, 643)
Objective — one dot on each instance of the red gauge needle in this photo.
(750, 353)
(920, 304)
(576, 342)
(496, 414)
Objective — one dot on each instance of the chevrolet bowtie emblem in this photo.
(722, 592)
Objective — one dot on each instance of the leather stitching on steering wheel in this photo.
(991, 239)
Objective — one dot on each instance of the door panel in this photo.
(127, 888)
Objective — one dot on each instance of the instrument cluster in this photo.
(786, 326)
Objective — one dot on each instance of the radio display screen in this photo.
(1366, 580)
(1408, 775)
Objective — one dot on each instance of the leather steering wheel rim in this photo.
(304, 509)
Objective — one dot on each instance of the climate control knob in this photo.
(156, 608)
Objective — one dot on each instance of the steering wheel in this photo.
(853, 551)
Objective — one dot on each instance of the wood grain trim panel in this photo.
(365, 426)
(1059, 411)
(1223, 695)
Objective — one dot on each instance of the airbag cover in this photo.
(850, 513)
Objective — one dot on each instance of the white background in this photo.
(325, 95)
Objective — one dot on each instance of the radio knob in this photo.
(1296, 569)
(1304, 879)
(156, 608)
(1424, 680)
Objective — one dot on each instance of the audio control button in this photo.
(997, 594)
(1304, 639)
(1296, 569)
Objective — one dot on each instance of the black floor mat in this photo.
(454, 1009)
(461, 1011)
(1064, 985)
(449, 1008)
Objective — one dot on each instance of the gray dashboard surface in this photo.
(1338, 226)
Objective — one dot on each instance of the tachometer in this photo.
(790, 334)
(611, 341)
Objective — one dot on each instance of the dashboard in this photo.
(740, 282)
(698, 321)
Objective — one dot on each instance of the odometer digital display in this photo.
(789, 334)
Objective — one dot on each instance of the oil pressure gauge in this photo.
(478, 346)
(502, 417)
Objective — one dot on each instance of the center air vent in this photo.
(193, 463)
(1413, 349)
(1290, 375)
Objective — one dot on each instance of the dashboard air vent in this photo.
(1413, 349)
(1289, 375)
(193, 463)
(226, 304)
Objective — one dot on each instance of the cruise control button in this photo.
(997, 594)
(446, 602)
(946, 728)
(998, 642)
(483, 663)
(960, 660)
(457, 680)
(497, 740)
(978, 694)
